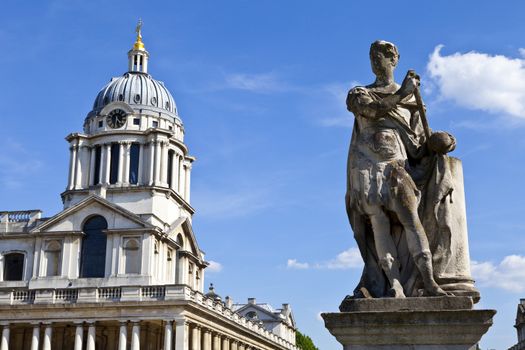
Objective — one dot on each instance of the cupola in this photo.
(138, 56)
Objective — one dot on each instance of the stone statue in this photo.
(404, 197)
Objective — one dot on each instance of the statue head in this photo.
(383, 57)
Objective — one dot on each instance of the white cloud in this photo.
(214, 266)
(260, 83)
(348, 259)
(509, 274)
(294, 264)
(479, 81)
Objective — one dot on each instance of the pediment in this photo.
(73, 218)
(269, 315)
(182, 227)
(259, 310)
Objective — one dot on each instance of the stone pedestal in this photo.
(445, 323)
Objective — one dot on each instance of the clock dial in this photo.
(116, 118)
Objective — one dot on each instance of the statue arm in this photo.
(361, 103)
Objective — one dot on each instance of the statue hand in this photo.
(410, 84)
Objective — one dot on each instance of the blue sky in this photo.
(260, 86)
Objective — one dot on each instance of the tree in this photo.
(304, 342)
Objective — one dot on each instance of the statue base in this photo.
(426, 323)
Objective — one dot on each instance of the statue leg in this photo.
(405, 206)
(386, 252)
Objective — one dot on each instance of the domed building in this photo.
(119, 267)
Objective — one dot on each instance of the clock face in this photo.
(116, 118)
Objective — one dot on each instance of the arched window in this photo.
(13, 267)
(52, 258)
(131, 255)
(180, 241)
(252, 315)
(93, 259)
(134, 153)
(114, 163)
(98, 158)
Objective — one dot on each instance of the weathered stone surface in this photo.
(405, 197)
(409, 329)
(411, 304)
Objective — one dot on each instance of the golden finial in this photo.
(139, 45)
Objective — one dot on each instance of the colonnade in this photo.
(203, 338)
(177, 335)
(154, 154)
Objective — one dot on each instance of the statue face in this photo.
(381, 64)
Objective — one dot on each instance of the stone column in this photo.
(176, 170)
(174, 175)
(48, 334)
(181, 334)
(79, 336)
(127, 150)
(2, 257)
(107, 163)
(135, 336)
(92, 166)
(164, 163)
(187, 183)
(4, 345)
(141, 162)
(78, 167)
(225, 343)
(216, 342)
(157, 162)
(120, 173)
(72, 163)
(206, 344)
(35, 338)
(91, 338)
(181, 176)
(195, 337)
(151, 161)
(168, 335)
(123, 336)
(233, 345)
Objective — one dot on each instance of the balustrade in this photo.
(196, 336)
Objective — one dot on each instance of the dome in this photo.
(211, 293)
(139, 90)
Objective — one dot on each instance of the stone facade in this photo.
(406, 205)
(520, 326)
(280, 321)
(120, 267)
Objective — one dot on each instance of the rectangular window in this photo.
(98, 156)
(155, 124)
(13, 267)
(100, 123)
(134, 154)
(115, 155)
(136, 121)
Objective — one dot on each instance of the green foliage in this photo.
(304, 342)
